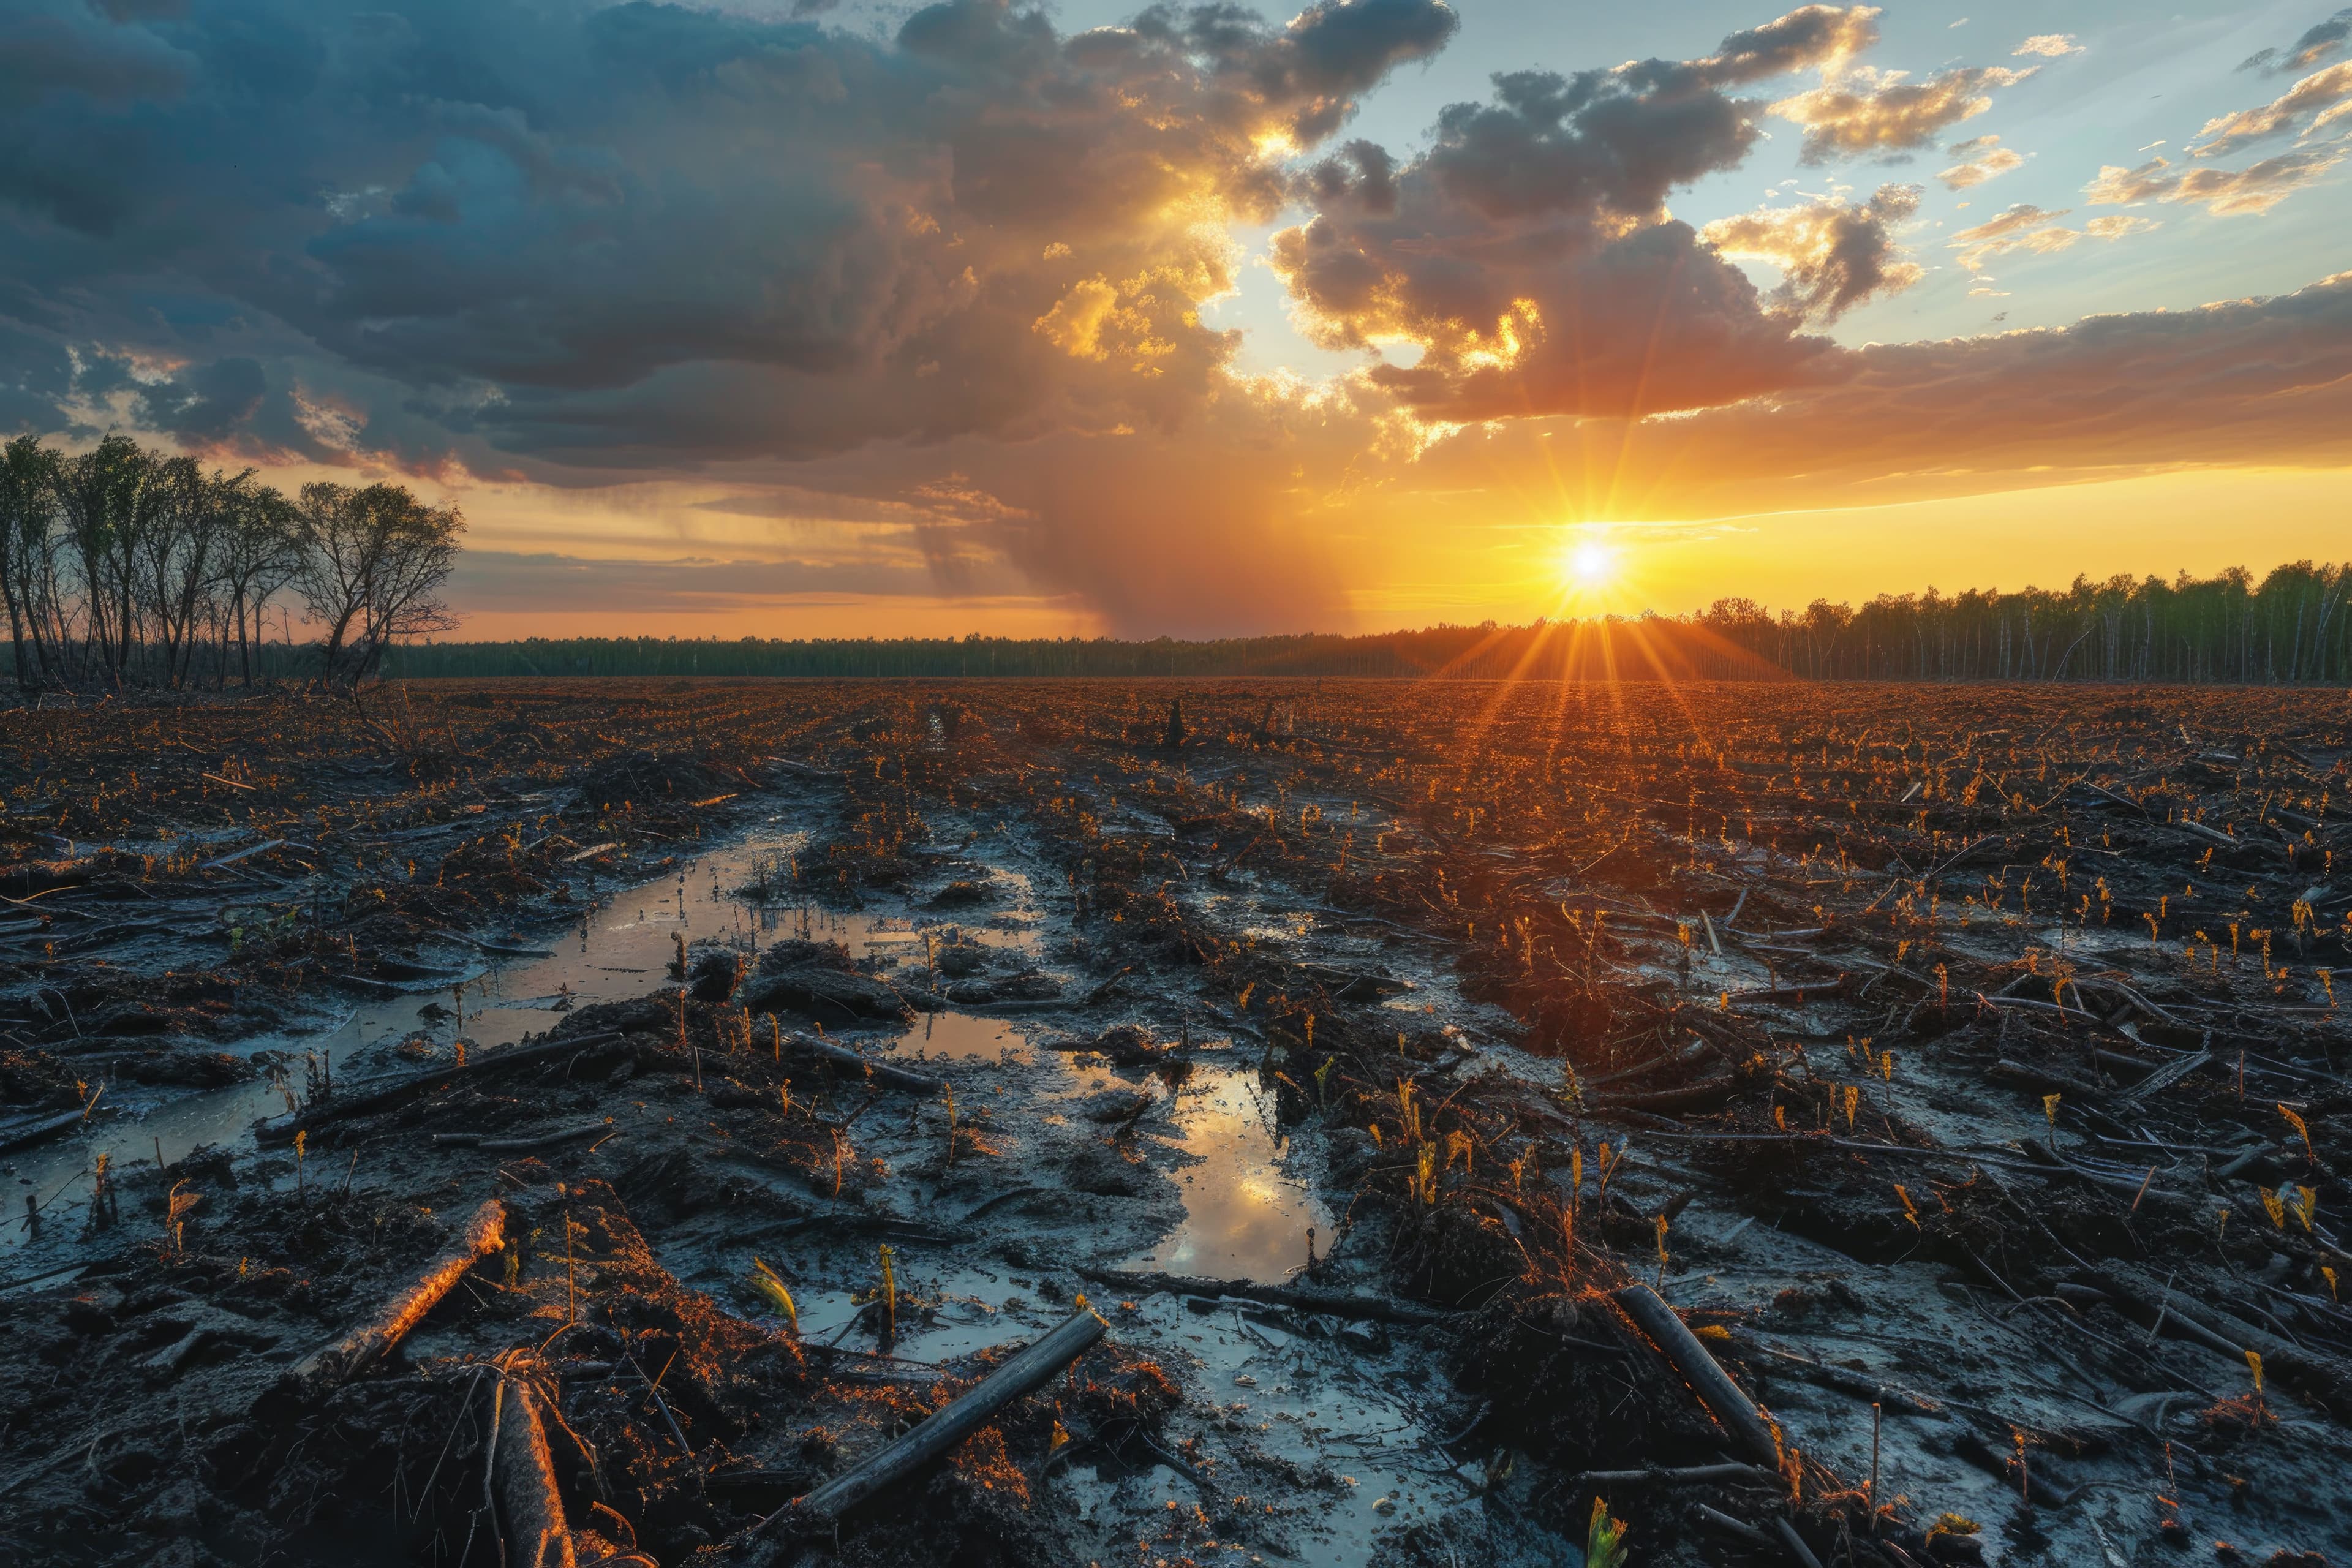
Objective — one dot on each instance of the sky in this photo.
(825, 317)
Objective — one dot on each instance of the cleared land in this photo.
(1961, 1066)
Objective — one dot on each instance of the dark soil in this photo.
(1964, 1064)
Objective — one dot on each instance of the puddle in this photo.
(958, 1036)
(1350, 1415)
(622, 949)
(1246, 1217)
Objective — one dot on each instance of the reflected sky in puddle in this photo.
(622, 949)
(1246, 1213)
(959, 1037)
(1245, 1216)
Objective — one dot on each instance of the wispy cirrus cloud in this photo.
(2038, 231)
(2310, 106)
(2226, 193)
(1981, 158)
(1869, 112)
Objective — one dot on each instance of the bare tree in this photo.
(29, 510)
(179, 552)
(374, 563)
(261, 550)
(106, 498)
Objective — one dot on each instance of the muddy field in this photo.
(1421, 1125)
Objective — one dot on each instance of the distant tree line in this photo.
(2290, 627)
(124, 566)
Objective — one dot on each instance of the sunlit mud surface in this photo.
(1959, 1072)
(1345, 1413)
(623, 949)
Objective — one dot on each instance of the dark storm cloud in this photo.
(605, 229)
(68, 52)
(209, 404)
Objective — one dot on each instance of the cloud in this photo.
(2323, 41)
(208, 406)
(1825, 35)
(679, 235)
(1981, 158)
(1881, 113)
(2031, 230)
(2310, 105)
(1833, 255)
(2245, 381)
(2254, 189)
(933, 312)
(2048, 46)
(1528, 255)
(46, 54)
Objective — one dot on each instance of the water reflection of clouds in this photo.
(1244, 1217)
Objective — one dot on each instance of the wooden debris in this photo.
(484, 1234)
(536, 1535)
(416, 1087)
(943, 1429)
(883, 1073)
(532, 1144)
(1337, 1305)
(1733, 1410)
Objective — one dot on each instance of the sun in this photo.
(1591, 564)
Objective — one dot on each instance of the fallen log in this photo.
(1024, 1373)
(881, 1072)
(538, 1532)
(2163, 1078)
(325, 1368)
(490, 1146)
(1689, 1056)
(536, 1535)
(416, 1087)
(1737, 1529)
(1755, 1473)
(824, 993)
(1779, 994)
(1706, 1094)
(1733, 1410)
(16, 1134)
(1337, 1305)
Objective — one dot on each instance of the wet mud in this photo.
(1853, 1127)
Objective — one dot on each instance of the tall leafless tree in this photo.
(28, 510)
